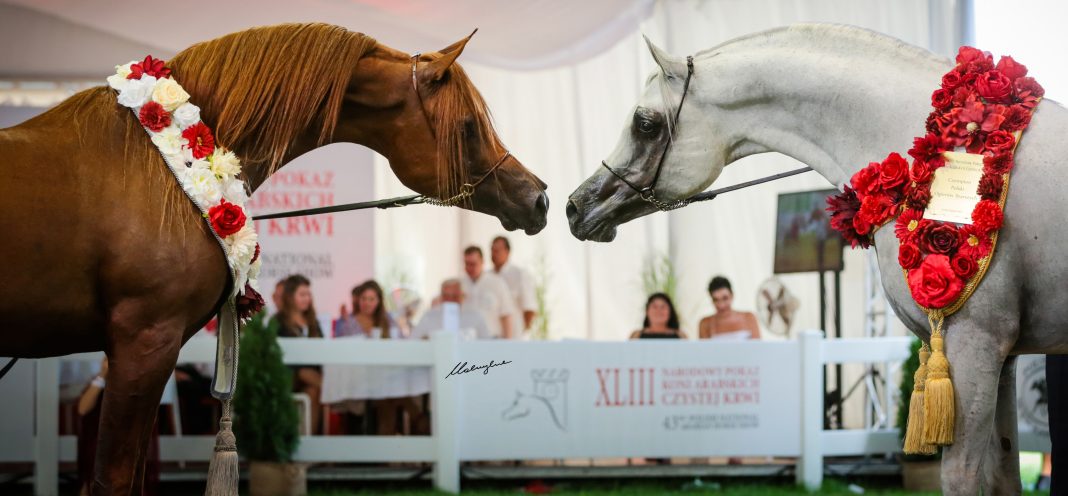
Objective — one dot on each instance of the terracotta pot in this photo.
(922, 476)
(277, 479)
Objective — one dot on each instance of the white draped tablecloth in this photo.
(372, 382)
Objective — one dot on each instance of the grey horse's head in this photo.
(685, 152)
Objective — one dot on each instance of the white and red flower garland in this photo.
(981, 107)
(208, 173)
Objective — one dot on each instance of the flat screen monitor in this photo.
(804, 240)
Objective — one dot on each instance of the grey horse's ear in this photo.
(669, 64)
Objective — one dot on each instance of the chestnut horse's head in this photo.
(425, 115)
(276, 92)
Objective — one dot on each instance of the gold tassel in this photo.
(224, 471)
(914, 444)
(938, 408)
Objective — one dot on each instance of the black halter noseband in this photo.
(648, 193)
(466, 189)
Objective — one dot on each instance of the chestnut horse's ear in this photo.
(436, 69)
(669, 64)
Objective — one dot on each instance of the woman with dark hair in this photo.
(727, 322)
(296, 319)
(661, 320)
(369, 317)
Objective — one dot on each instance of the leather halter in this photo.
(466, 189)
(648, 193)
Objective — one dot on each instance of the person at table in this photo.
(296, 319)
(469, 319)
(661, 320)
(489, 294)
(370, 318)
(520, 284)
(727, 322)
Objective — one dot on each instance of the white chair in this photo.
(170, 399)
(304, 402)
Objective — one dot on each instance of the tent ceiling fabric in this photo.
(533, 34)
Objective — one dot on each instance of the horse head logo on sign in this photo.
(547, 400)
(1031, 393)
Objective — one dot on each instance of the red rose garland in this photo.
(982, 107)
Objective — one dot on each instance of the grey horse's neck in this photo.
(833, 97)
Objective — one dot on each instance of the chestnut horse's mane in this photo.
(260, 88)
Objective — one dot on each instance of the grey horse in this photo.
(837, 98)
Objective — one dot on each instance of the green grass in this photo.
(641, 488)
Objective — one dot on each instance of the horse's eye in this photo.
(646, 126)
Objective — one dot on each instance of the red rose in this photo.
(908, 225)
(997, 164)
(934, 284)
(154, 117)
(967, 55)
(909, 256)
(1000, 141)
(1017, 117)
(877, 209)
(974, 243)
(248, 304)
(962, 95)
(149, 67)
(929, 147)
(1028, 91)
(990, 186)
(894, 171)
(227, 218)
(994, 87)
(920, 172)
(843, 208)
(987, 215)
(1011, 68)
(919, 196)
(861, 225)
(941, 98)
(963, 267)
(866, 180)
(941, 239)
(199, 139)
(951, 80)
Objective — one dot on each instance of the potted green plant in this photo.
(918, 472)
(266, 423)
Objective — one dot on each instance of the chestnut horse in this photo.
(105, 252)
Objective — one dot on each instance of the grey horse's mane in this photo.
(824, 35)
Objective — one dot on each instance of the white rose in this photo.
(224, 163)
(234, 192)
(202, 185)
(137, 91)
(242, 247)
(186, 115)
(118, 80)
(169, 141)
(169, 94)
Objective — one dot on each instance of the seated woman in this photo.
(371, 321)
(296, 319)
(727, 322)
(661, 321)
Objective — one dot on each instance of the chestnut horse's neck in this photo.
(273, 93)
(833, 97)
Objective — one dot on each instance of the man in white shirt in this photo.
(489, 294)
(435, 319)
(520, 282)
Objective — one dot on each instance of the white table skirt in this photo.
(372, 382)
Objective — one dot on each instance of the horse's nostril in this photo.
(541, 203)
(571, 210)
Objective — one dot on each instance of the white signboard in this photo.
(335, 251)
(656, 399)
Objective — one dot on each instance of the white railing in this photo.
(444, 447)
